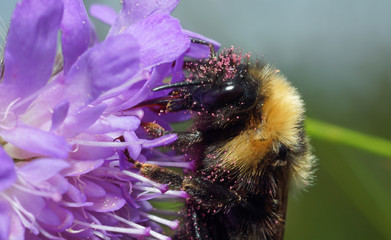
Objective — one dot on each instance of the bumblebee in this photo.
(248, 142)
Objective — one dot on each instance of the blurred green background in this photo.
(338, 54)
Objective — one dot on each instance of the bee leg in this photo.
(187, 138)
(195, 227)
(210, 196)
(203, 193)
(184, 138)
(205, 200)
(212, 49)
(160, 175)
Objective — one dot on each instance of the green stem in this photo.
(332, 133)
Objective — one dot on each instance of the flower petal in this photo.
(79, 231)
(5, 220)
(123, 160)
(7, 171)
(142, 90)
(105, 219)
(104, 13)
(82, 167)
(82, 120)
(136, 10)
(31, 45)
(58, 184)
(197, 50)
(93, 190)
(161, 39)
(59, 114)
(113, 123)
(37, 141)
(75, 195)
(55, 218)
(177, 70)
(42, 169)
(32, 203)
(161, 141)
(75, 28)
(91, 153)
(40, 112)
(152, 116)
(16, 228)
(102, 67)
(143, 8)
(110, 202)
(134, 149)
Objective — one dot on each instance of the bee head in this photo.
(214, 84)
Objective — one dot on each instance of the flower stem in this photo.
(329, 132)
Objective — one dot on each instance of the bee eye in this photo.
(220, 96)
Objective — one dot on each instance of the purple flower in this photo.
(63, 175)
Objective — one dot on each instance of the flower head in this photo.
(63, 173)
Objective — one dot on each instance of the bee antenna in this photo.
(209, 44)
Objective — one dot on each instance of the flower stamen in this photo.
(135, 225)
(52, 195)
(168, 194)
(76, 204)
(7, 110)
(162, 187)
(104, 144)
(130, 231)
(188, 165)
(27, 219)
(171, 224)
